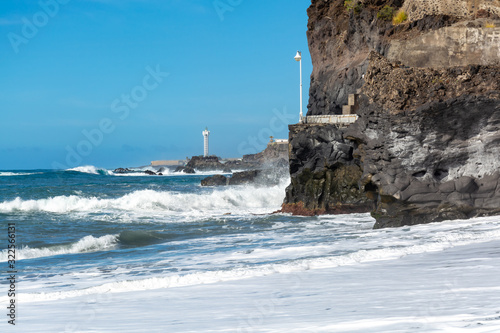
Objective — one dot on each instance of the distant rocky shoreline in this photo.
(266, 167)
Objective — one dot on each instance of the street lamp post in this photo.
(298, 57)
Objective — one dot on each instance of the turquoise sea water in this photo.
(94, 237)
(72, 223)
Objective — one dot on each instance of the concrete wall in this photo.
(416, 9)
(168, 163)
(451, 46)
(331, 119)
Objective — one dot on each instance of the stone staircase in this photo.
(352, 105)
(347, 117)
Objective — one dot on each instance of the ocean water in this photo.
(101, 252)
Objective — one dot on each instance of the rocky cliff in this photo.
(426, 145)
(430, 143)
(341, 39)
(324, 173)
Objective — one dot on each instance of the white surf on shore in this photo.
(184, 258)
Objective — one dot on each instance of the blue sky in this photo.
(115, 83)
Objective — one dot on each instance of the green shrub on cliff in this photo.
(353, 5)
(386, 13)
(400, 17)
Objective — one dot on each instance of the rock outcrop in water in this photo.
(203, 163)
(275, 154)
(266, 167)
(427, 144)
(268, 176)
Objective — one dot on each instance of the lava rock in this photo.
(215, 180)
(325, 175)
(188, 170)
(425, 146)
(244, 177)
(122, 170)
(205, 163)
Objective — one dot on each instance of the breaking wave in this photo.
(133, 172)
(136, 172)
(92, 170)
(241, 198)
(86, 244)
(91, 244)
(293, 266)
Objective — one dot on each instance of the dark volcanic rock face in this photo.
(432, 154)
(339, 45)
(427, 144)
(324, 173)
(426, 148)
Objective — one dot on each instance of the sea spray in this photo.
(214, 201)
(92, 170)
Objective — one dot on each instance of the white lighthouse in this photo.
(206, 133)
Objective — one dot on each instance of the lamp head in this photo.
(298, 56)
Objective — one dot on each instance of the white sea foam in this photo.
(7, 174)
(293, 266)
(409, 295)
(136, 172)
(202, 173)
(86, 244)
(92, 170)
(140, 172)
(241, 198)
